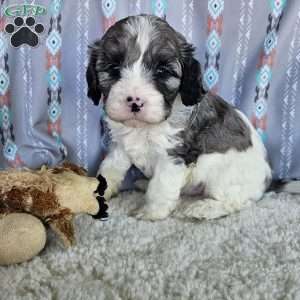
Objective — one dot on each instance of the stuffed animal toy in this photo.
(50, 196)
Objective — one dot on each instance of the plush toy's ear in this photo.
(191, 88)
(94, 91)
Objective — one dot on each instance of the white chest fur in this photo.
(145, 146)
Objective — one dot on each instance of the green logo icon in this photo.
(25, 10)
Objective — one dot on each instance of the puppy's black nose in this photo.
(135, 108)
(130, 99)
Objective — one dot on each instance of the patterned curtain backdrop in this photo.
(249, 51)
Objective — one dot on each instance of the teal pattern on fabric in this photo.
(159, 8)
(55, 8)
(277, 7)
(108, 10)
(4, 81)
(5, 117)
(53, 42)
(215, 8)
(265, 66)
(54, 75)
(10, 149)
(54, 78)
(213, 44)
(108, 7)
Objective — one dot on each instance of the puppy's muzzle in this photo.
(135, 104)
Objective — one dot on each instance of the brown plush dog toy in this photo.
(52, 196)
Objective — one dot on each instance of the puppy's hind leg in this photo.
(212, 208)
(202, 209)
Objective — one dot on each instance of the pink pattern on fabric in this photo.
(108, 22)
(53, 65)
(108, 10)
(10, 149)
(213, 44)
(265, 68)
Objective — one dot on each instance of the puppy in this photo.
(185, 140)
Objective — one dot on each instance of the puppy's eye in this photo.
(162, 70)
(114, 70)
(166, 71)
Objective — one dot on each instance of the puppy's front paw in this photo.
(146, 213)
(109, 193)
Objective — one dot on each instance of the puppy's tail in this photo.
(288, 186)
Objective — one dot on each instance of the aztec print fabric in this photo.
(249, 51)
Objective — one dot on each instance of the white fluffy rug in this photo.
(251, 255)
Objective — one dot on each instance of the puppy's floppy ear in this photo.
(94, 91)
(191, 88)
